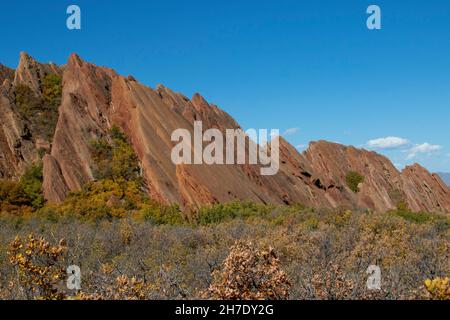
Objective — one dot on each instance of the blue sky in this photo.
(310, 66)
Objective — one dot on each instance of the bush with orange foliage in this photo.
(41, 274)
(39, 268)
(249, 274)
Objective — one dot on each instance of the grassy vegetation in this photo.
(173, 257)
(130, 247)
(141, 249)
(223, 212)
(422, 217)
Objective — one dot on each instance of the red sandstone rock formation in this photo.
(424, 191)
(19, 141)
(96, 98)
(6, 73)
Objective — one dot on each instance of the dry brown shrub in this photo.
(249, 274)
(129, 289)
(334, 284)
(38, 267)
(124, 288)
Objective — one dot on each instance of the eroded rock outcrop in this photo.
(20, 141)
(384, 187)
(31, 73)
(95, 98)
(424, 191)
(6, 73)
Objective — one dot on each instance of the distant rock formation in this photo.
(96, 98)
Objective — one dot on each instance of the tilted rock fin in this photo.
(19, 141)
(95, 98)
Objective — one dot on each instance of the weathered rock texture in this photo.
(96, 98)
(424, 191)
(6, 73)
(19, 142)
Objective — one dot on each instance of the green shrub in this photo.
(220, 212)
(27, 192)
(117, 134)
(52, 90)
(353, 179)
(31, 184)
(27, 102)
(118, 191)
(51, 95)
(416, 217)
(161, 215)
(421, 217)
(402, 206)
(101, 152)
(104, 199)
(115, 159)
(11, 193)
(41, 111)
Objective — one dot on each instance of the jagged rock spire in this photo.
(31, 73)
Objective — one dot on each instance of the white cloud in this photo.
(387, 143)
(424, 148)
(290, 131)
(301, 146)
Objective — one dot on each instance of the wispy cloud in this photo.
(424, 148)
(387, 143)
(301, 146)
(291, 131)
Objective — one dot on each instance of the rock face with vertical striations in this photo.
(383, 186)
(424, 191)
(94, 99)
(20, 139)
